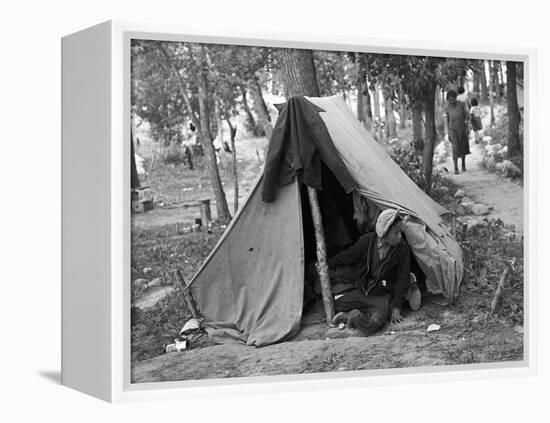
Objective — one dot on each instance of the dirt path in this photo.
(490, 188)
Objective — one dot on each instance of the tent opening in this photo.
(340, 229)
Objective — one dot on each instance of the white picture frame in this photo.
(96, 214)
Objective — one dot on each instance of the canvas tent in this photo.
(251, 287)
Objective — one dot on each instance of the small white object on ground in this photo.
(341, 326)
(433, 327)
(192, 324)
(171, 348)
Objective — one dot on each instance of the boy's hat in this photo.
(385, 220)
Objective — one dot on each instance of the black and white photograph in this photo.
(305, 211)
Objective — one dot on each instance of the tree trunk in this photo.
(232, 134)
(264, 120)
(501, 85)
(208, 146)
(219, 121)
(491, 93)
(483, 83)
(429, 146)
(418, 142)
(496, 82)
(134, 177)
(361, 116)
(391, 130)
(298, 73)
(514, 145)
(439, 105)
(377, 103)
(299, 78)
(477, 83)
(249, 116)
(368, 107)
(402, 108)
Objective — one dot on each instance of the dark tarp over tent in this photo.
(251, 286)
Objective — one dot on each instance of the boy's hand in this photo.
(396, 316)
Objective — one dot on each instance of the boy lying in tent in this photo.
(384, 262)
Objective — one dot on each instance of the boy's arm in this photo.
(352, 255)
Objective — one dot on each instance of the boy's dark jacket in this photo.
(394, 269)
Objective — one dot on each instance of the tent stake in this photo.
(322, 266)
(191, 303)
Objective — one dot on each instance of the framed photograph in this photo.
(245, 213)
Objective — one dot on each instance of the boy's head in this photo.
(461, 90)
(474, 102)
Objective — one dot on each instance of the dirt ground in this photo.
(464, 337)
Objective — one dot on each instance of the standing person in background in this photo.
(457, 122)
(475, 119)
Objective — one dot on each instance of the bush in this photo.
(496, 150)
(410, 162)
(174, 155)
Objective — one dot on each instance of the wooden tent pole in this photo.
(322, 265)
(191, 303)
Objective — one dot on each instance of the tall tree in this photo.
(483, 82)
(514, 144)
(496, 81)
(207, 140)
(264, 120)
(431, 134)
(418, 142)
(477, 82)
(492, 91)
(391, 129)
(402, 107)
(251, 120)
(364, 111)
(298, 73)
(232, 135)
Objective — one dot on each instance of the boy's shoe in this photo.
(341, 317)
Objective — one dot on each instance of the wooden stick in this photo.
(500, 290)
(322, 265)
(191, 303)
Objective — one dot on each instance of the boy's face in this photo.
(452, 101)
(393, 236)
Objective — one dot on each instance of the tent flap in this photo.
(251, 287)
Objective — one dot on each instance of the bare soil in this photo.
(464, 338)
